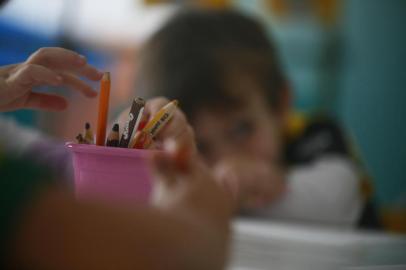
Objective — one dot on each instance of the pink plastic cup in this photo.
(110, 173)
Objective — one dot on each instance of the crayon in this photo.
(143, 122)
(80, 139)
(134, 117)
(145, 137)
(141, 140)
(89, 138)
(103, 109)
(112, 139)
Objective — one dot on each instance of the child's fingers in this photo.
(175, 158)
(154, 105)
(164, 167)
(268, 185)
(163, 162)
(272, 181)
(45, 102)
(181, 154)
(63, 59)
(187, 139)
(179, 130)
(77, 84)
(229, 179)
(176, 126)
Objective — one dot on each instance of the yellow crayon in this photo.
(152, 128)
(89, 138)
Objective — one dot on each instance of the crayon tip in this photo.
(106, 76)
(115, 127)
(139, 101)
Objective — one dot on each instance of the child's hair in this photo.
(190, 58)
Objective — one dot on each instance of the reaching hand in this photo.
(47, 66)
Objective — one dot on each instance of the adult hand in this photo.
(47, 66)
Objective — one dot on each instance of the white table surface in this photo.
(260, 245)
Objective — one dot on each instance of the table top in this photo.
(260, 245)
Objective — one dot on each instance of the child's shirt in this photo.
(323, 179)
(21, 182)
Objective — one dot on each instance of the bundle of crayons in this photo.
(137, 132)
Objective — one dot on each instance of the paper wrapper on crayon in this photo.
(142, 140)
(143, 122)
(133, 120)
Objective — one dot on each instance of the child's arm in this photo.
(187, 229)
(326, 192)
(253, 182)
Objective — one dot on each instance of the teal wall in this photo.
(356, 71)
(374, 91)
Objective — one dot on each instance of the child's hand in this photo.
(185, 183)
(47, 66)
(254, 183)
(177, 129)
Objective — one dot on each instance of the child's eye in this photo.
(241, 130)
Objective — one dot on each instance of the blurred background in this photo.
(345, 59)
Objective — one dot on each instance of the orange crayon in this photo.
(103, 109)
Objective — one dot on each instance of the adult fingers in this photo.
(5, 70)
(78, 84)
(27, 76)
(45, 102)
(63, 59)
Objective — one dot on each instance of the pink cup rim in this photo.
(108, 151)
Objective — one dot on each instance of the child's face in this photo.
(252, 130)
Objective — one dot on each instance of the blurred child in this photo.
(224, 71)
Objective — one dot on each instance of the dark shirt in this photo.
(21, 181)
(322, 137)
